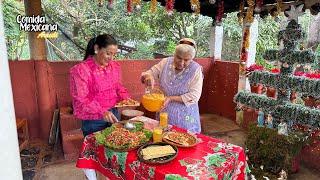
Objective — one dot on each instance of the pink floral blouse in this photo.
(95, 89)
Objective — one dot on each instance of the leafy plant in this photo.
(271, 151)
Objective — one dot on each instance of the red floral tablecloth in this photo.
(210, 159)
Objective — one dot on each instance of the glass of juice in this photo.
(157, 134)
(163, 120)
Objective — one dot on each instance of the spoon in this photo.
(129, 126)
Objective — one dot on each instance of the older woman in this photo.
(181, 80)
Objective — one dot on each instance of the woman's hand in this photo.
(166, 102)
(109, 117)
(148, 80)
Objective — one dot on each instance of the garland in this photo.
(153, 7)
(241, 14)
(249, 17)
(287, 111)
(169, 7)
(195, 6)
(279, 7)
(306, 85)
(245, 45)
(306, 56)
(220, 12)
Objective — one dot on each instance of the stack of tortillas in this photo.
(152, 152)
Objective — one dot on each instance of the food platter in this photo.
(157, 153)
(179, 139)
(120, 139)
(127, 103)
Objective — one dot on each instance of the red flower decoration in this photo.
(299, 73)
(275, 70)
(254, 67)
(313, 75)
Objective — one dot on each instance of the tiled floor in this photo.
(41, 162)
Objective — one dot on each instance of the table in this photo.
(210, 159)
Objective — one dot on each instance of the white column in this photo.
(216, 39)
(254, 33)
(10, 166)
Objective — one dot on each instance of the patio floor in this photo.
(41, 162)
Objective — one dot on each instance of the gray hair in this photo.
(185, 48)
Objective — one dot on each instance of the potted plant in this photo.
(254, 77)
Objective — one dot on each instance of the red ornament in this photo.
(129, 6)
(170, 6)
(254, 67)
(220, 12)
(299, 73)
(275, 70)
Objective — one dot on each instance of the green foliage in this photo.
(142, 30)
(143, 50)
(16, 40)
(272, 151)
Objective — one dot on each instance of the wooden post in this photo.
(243, 83)
(10, 166)
(37, 46)
(44, 80)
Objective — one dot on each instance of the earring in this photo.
(95, 52)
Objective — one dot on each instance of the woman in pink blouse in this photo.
(95, 85)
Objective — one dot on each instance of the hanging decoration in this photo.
(100, 3)
(258, 7)
(137, 5)
(249, 16)
(195, 6)
(110, 4)
(169, 7)
(245, 44)
(241, 12)
(212, 1)
(153, 7)
(220, 12)
(129, 7)
(279, 7)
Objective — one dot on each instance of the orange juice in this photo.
(157, 134)
(163, 119)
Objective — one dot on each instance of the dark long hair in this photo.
(102, 41)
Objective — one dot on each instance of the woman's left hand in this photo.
(166, 102)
